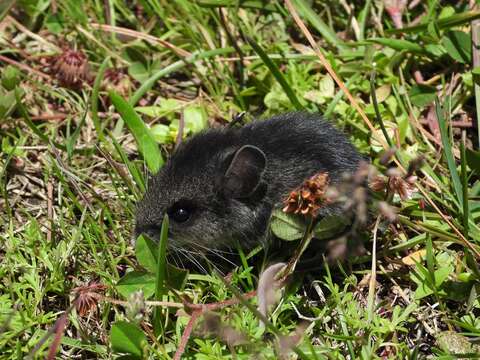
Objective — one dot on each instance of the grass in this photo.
(76, 150)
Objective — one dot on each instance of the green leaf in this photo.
(55, 23)
(398, 44)
(8, 102)
(136, 281)
(441, 274)
(138, 71)
(459, 46)
(161, 133)
(146, 253)
(287, 227)
(476, 70)
(435, 49)
(424, 286)
(10, 77)
(422, 95)
(473, 160)
(329, 226)
(164, 108)
(326, 91)
(127, 338)
(145, 141)
(195, 117)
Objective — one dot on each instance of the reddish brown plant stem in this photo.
(186, 334)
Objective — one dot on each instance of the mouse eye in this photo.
(180, 212)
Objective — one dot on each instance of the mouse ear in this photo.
(244, 172)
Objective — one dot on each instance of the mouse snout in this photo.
(151, 230)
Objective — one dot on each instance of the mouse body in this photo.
(220, 186)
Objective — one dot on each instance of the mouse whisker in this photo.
(216, 252)
(192, 259)
(176, 259)
(213, 265)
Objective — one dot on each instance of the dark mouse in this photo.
(220, 186)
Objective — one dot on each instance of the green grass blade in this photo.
(463, 164)
(249, 4)
(377, 110)
(132, 168)
(95, 96)
(446, 23)
(145, 141)
(276, 73)
(362, 19)
(447, 149)
(70, 143)
(160, 275)
(397, 44)
(339, 95)
(307, 12)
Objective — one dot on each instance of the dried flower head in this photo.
(394, 183)
(402, 186)
(310, 197)
(378, 183)
(87, 297)
(71, 68)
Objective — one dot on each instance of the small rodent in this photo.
(220, 186)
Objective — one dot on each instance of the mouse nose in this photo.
(151, 230)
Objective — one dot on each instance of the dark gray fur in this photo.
(234, 202)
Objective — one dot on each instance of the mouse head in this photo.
(212, 195)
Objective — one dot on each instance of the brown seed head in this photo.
(378, 183)
(87, 297)
(402, 187)
(71, 68)
(310, 197)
